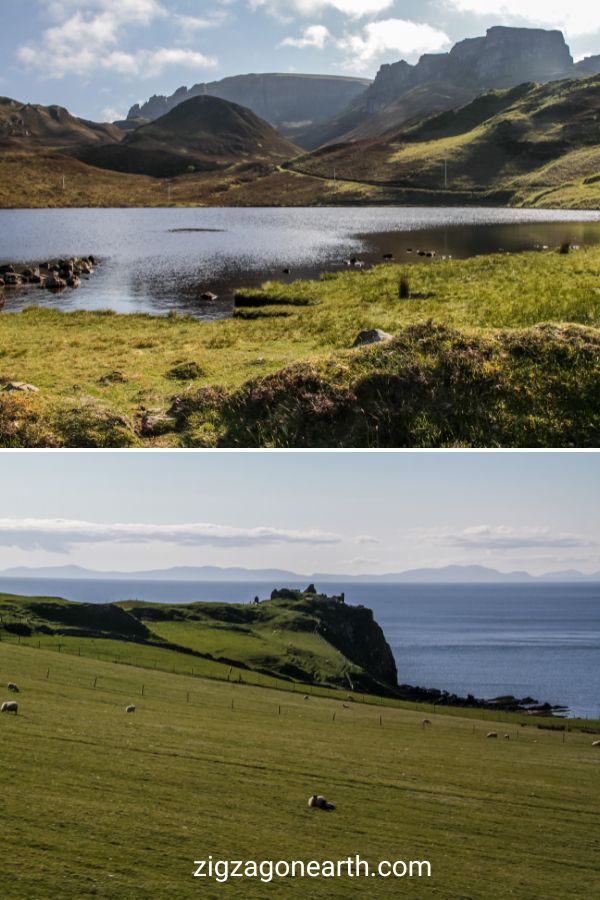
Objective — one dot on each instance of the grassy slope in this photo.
(274, 638)
(535, 145)
(66, 354)
(109, 805)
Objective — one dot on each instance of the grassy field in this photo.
(492, 305)
(100, 803)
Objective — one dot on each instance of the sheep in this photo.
(13, 687)
(130, 708)
(319, 802)
(306, 697)
(492, 734)
(10, 706)
(345, 706)
(425, 723)
(595, 743)
(507, 737)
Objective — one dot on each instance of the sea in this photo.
(539, 640)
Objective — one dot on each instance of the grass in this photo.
(110, 805)
(494, 304)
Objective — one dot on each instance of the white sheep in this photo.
(13, 687)
(595, 743)
(492, 734)
(130, 708)
(319, 802)
(507, 737)
(10, 706)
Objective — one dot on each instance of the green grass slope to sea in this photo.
(100, 803)
(492, 351)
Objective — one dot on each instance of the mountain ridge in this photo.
(456, 574)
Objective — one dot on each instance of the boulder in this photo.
(21, 386)
(11, 279)
(375, 336)
(54, 282)
(156, 423)
(208, 295)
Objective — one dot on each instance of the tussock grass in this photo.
(70, 356)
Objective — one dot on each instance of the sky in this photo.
(343, 513)
(99, 57)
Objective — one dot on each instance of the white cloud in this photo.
(578, 17)
(355, 9)
(313, 36)
(59, 535)
(503, 537)
(366, 539)
(113, 114)
(397, 35)
(87, 40)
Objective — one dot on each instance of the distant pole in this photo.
(446, 174)
(334, 176)
(64, 182)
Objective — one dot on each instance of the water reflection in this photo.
(162, 260)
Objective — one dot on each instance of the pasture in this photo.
(99, 803)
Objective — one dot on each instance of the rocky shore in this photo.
(506, 703)
(52, 275)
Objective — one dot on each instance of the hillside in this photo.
(305, 637)
(105, 804)
(288, 101)
(513, 142)
(201, 134)
(402, 93)
(26, 125)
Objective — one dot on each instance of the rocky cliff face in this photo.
(279, 99)
(354, 632)
(503, 58)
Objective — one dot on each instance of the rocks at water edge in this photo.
(54, 275)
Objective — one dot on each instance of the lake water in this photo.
(488, 640)
(161, 260)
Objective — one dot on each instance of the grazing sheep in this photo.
(13, 687)
(345, 706)
(306, 697)
(595, 743)
(319, 802)
(130, 708)
(425, 723)
(507, 737)
(10, 706)
(492, 734)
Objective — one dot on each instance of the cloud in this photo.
(113, 114)
(502, 537)
(87, 39)
(355, 9)
(390, 35)
(313, 36)
(366, 539)
(578, 17)
(59, 535)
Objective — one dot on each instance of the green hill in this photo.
(201, 134)
(507, 145)
(98, 803)
(306, 637)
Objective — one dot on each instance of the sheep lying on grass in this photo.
(595, 743)
(492, 734)
(319, 802)
(10, 706)
(130, 708)
(13, 687)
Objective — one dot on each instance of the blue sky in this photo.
(334, 512)
(98, 57)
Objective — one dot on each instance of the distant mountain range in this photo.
(315, 110)
(442, 575)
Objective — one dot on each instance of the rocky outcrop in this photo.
(280, 99)
(401, 92)
(503, 58)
